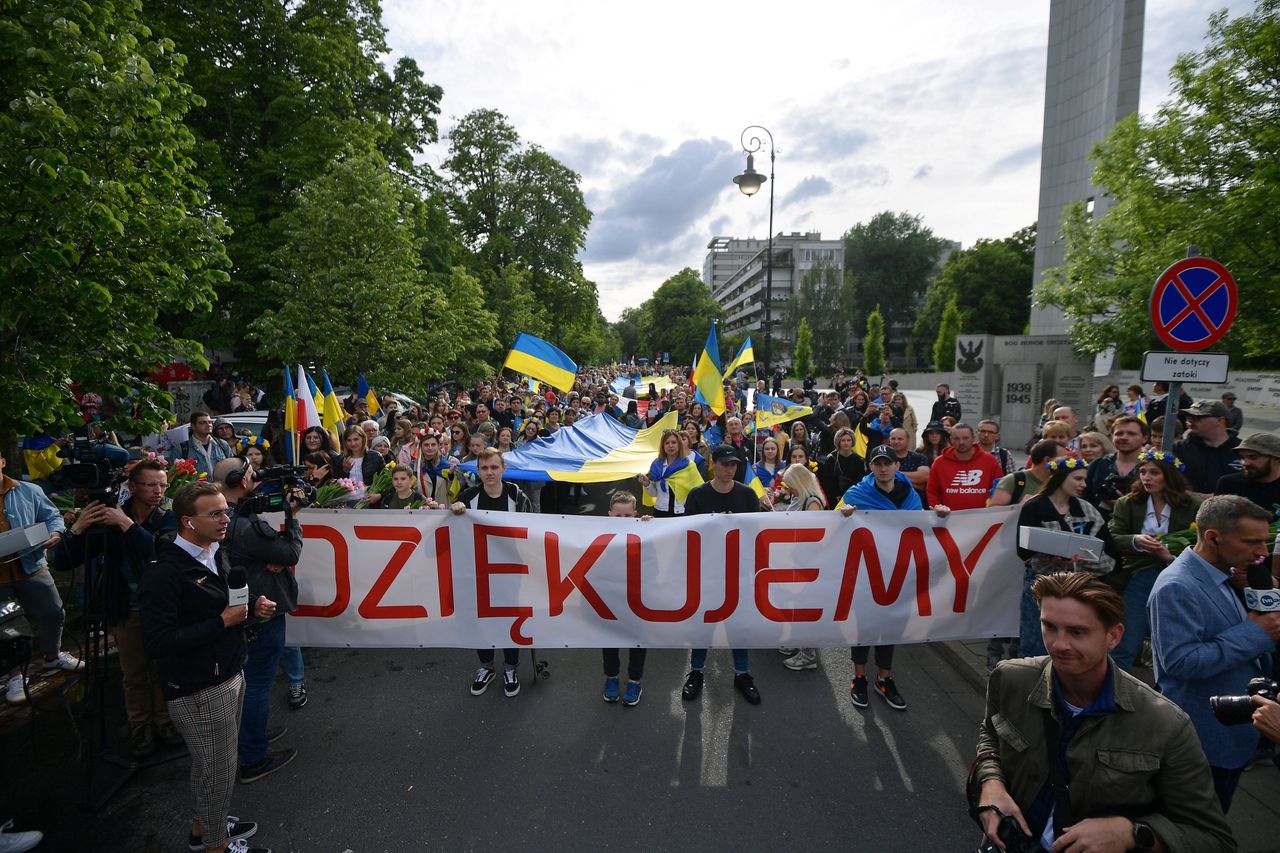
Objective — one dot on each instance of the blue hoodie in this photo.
(865, 495)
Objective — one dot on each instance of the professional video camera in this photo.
(1238, 710)
(95, 472)
(276, 482)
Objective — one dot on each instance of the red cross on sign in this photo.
(1193, 304)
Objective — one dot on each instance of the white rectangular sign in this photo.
(388, 578)
(1203, 367)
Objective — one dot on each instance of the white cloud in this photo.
(930, 107)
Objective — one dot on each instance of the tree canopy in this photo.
(1205, 171)
(825, 299)
(991, 284)
(891, 259)
(105, 224)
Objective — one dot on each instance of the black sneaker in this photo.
(142, 741)
(858, 691)
(276, 732)
(237, 830)
(297, 696)
(889, 692)
(692, 685)
(510, 683)
(480, 683)
(273, 762)
(747, 687)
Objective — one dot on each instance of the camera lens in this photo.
(1232, 710)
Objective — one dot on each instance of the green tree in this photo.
(891, 259)
(944, 347)
(518, 206)
(629, 329)
(991, 283)
(1203, 172)
(804, 348)
(678, 315)
(103, 222)
(825, 300)
(286, 88)
(873, 344)
(349, 243)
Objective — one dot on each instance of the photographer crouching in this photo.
(265, 555)
(118, 544)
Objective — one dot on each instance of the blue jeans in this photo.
(1030, 640)
(291, 660)
(741, 660)
(1135, 617)
(266, 643)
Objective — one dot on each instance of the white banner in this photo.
(405, 579)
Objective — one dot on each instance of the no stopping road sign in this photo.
(1193, 304)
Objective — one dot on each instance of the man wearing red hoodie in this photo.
(961, 478)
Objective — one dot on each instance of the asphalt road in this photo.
(396, 755)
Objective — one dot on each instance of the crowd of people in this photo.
(853, 446)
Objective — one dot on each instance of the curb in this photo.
(958, 663)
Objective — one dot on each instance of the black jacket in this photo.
(182, 604)
(942, 408)
(252, 544)
(1207, 465)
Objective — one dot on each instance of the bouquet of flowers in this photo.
(1177, 542)
(427, 503)
(381, 483)
(181, 472)
(337, 494)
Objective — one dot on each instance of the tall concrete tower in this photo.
(1092, 81)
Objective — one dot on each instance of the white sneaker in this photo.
(65, 661)
(18, 842)
(15, 694)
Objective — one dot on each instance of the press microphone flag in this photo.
(1260, 597)
(237, 588)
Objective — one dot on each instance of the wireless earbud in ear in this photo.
(192, 526)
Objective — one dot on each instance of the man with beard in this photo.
(1259, 477)
(1209, 451)
(1112, 475)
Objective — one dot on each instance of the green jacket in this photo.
(1143, 761)
(1128, 515)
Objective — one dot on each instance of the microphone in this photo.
(237, 588)
(1260, 597)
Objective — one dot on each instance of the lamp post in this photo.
(750, 182)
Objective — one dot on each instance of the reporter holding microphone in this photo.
(196, 637)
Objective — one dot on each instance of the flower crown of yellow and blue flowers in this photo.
(1161, 456)
(1071, 463)
(246, 441)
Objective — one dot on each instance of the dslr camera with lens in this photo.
(1238, 710)
(276, 483)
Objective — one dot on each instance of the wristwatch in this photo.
(1144, 837)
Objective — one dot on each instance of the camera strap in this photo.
(1057, 779)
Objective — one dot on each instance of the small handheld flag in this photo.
(539, 359)
(290, 418)
(746, 355)
(772, 410)
(363, 390)
(706, 374)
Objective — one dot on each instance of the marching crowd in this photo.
(1177, 532)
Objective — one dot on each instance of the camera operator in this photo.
(196, 636)
(1203, 641)
(24, 576)
(265, 555)
(119, 556)
(1074, 754)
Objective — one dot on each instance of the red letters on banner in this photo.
(484, 569)
(862, 550)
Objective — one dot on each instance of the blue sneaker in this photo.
(632, 696)
(611, 689)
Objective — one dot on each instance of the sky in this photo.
(934, 108)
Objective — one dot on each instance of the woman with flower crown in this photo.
(1159, 503)
(1060, 505)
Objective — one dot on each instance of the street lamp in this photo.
(750, 182)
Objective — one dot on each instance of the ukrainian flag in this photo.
(706, 374)
(597, 449)
(315, 394)
(40, 452)
(331, 414)
(746, 355)
(752, 481)
(363, 390)
(772, 410)
(684, 479)
(535, 357)
(290, 416)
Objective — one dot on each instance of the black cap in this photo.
(724, 453)
(882, 451)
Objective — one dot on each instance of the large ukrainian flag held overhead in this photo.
(539, 359)
(706, 374)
